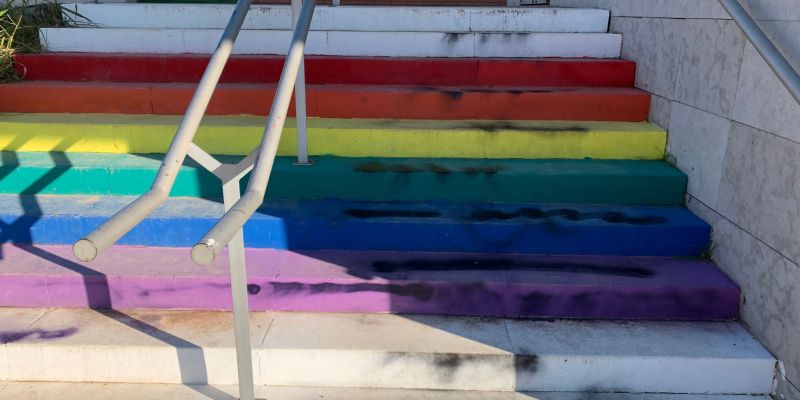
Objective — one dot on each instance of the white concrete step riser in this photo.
(100, 391)
(379, 369)
(342, 43)
(384, 351)
(351, 18)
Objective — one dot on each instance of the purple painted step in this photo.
(342, 281)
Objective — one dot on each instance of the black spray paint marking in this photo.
(367, 214)
(15, 336)
(416, 290)
(495, 126)
(253, 288)
(567, 214)
(401, 168)
(467, 264)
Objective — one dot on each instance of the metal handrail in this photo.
(771, 54)
(204, 252)
(91, 245)
(228, 231)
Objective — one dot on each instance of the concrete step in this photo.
(466, 139)
(325, 70)
(374, 179)
(385, 351)
(494, 285)
(336, 101)
(121, 391)
(351, 18)
(338, 43)
(391, 226)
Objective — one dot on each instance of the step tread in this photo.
(143, 391)
(488, 126)
(331, 69)
(447, 19)
(433, 351)
(391, 333)
(339, 210)
(338, 42)
(517, 90)
(336, 101)
(332, 224)
(105, 133)
(388, 179)
(376, 281)
(368, 164)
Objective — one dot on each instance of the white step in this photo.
(351, 18)
(342, 43)
(103, 391)
(385, 351)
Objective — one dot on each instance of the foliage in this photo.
(20, 21)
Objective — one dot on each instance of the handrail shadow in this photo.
(193, 369)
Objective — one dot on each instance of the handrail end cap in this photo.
(84, 250)
(203, 254)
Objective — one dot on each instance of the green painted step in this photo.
(642, 182)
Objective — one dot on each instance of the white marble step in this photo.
(341, 43)
(118, 391)
(384, 351)
(351, 18)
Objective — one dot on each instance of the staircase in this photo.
(471, 226)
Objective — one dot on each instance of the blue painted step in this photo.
(399, 226)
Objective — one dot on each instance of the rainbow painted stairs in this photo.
(445, 186)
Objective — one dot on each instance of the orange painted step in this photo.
(336, 101)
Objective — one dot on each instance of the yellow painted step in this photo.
(105, 133)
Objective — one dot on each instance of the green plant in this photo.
(19, 29)
(708, 252)
(8, 30)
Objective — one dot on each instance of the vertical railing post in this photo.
(300, 97)
(241, 310)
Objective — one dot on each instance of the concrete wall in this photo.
(736, 131)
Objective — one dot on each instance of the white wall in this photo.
(735, 130)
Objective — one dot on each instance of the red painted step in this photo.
(336, 101)
(331, 70)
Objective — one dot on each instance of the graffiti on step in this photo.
(508, 264)
(531, 213)
(42, 334)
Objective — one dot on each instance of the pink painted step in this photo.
(382, 282)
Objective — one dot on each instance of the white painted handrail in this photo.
(228, 231)
(206, 250)
(91, 245)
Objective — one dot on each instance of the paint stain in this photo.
(495, 126)
(446, 365)
(452, 37)
(42, 334)
(467, 264)
(458, 94)
(568, 214)
(369, 214)
(402, 168)
(417, 291)
(526, 363)
(253, 288)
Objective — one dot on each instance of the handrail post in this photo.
(241, 309)
(774, 58)
(300, 97)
